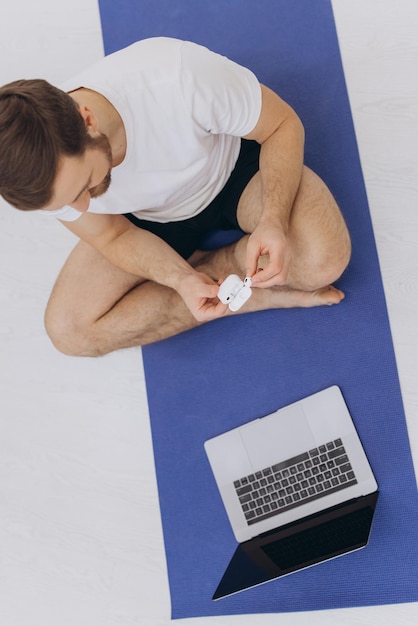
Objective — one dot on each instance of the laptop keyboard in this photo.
(301, 479)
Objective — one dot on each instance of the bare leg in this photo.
(319, 239)
(96, 308)
(108, 310)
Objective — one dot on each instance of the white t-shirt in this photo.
(184, 109)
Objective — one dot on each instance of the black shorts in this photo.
(187, 236)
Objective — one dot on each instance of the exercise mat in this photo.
(228, 372)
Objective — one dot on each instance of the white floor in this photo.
(79, 544)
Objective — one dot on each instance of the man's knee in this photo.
(334, 261)
(322, 260)
(67, 336)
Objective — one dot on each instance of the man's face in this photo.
(81, 178)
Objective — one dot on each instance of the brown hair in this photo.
(38, 125)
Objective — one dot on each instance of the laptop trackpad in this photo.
(277, 437)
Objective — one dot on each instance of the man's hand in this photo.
(199, 293)
(141, 253)
(271, 242)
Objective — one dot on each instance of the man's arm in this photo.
(281, 135)
(142, 253)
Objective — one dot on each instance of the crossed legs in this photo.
(96, 308)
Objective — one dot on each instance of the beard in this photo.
(102, 144)
(101, 188)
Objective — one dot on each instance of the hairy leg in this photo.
(96, 308)
(319, 239)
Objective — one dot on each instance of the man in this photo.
(141, 156)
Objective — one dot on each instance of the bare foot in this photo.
(285, 298)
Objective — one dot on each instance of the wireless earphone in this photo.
(234, 292)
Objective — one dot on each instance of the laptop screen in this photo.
(324, 541)
(322, 536)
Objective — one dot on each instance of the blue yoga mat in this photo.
(208, 380)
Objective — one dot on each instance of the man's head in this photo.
(39, 125)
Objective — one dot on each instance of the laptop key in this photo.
(243, 490)
(293, 461)
(267, 492)
(290, 503)
(341, 460)
(337, 452)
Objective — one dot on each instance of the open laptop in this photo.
(297, 488)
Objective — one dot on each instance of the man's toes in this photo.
(327, 296)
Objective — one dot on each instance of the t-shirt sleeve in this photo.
(222, 96)
(65, 213)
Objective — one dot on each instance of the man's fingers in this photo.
(210, 310)
(211, 291)
(253, 253)
(271, 274)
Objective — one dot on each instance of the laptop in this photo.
(297, 488)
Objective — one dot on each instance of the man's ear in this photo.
(89, 118)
